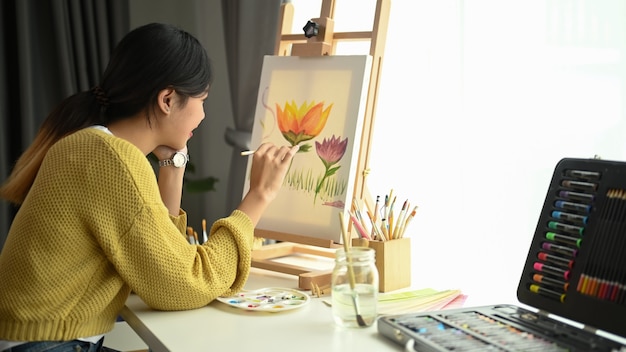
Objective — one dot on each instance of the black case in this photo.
(576, 264)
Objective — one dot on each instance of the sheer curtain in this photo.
(478, 101)
(50, 49)
(250, 29)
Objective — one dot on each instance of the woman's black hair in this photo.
(147, 60)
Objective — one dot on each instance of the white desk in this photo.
(218, 327)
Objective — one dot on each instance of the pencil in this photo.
(373, 219)
(408, 220)
(386, 206)
(358, 212)
(376, 208)
(384, 228)
(376, 234)
(393, 202)
(360, 222)
(359, 227)
(247, 152)
(390, 223)
(390, 218)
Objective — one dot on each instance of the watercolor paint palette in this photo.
(271, 299)
(575, 269)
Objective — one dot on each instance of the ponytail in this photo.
(72, 114)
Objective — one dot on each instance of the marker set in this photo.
(576, 265)
(563, 233)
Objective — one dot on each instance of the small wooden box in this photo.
(393, 261)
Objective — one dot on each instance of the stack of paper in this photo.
(419, 301)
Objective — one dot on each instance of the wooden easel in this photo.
(324, 43)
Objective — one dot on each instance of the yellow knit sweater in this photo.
(93, 228)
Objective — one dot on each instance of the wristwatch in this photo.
(179, 159)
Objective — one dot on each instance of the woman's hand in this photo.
(269, 167)
(163, 152)
(170, 179)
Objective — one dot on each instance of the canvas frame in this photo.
(295, 83)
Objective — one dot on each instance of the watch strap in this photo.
(170, 161)
(166, 162)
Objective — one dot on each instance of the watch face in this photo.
(179, 160)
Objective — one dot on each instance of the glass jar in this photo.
(355, 287)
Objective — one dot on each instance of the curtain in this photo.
(50, 50)
(250, 30)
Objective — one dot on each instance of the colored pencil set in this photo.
(604, 276)
(382, 224)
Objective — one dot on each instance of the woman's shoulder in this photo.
(91, 146)
(96, 141)
(93, 154)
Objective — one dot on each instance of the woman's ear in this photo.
(166, 99)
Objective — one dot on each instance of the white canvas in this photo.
(320, 181)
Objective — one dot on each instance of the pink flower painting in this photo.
(330, 152)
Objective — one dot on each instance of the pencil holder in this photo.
(393, 261)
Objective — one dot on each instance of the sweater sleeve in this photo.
(170, 274)
(144, 243)
(239, 228)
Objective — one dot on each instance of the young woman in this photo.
(95, 223)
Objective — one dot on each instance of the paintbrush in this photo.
(355, 298)
(205, 237)
(190, 238)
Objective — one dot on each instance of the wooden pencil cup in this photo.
(393, 261)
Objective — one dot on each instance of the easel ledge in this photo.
(321, 45)
(264, 257)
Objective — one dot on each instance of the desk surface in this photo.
(218, 326)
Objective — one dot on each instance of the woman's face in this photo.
(182, 120)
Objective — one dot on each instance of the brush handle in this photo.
(346, 248)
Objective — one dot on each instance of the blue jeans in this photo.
(58, 346)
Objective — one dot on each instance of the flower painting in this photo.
(330, 151)
(317, 103)
(299, 124)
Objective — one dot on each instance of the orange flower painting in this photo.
(302, 123)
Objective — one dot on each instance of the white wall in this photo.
(493, 94)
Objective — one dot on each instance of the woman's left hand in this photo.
(170, 179)
(163, 152)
